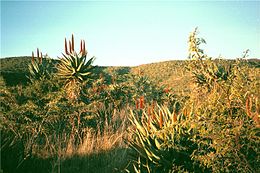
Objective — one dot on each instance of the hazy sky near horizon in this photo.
(130, 32)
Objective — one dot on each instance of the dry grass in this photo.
(95, 143)
(99, 151)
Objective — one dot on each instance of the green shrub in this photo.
(216, 127)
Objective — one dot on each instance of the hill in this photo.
(14, 70)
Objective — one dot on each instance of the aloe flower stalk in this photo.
(161, 119)
(66, 47)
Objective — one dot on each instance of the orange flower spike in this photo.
(149, 111)
(161, 119)
(84, 48)
(72, 43)
(153, 116)
(32, 57)
(38, 53)
(83, 45)
(141, 102)
(66, 48)
(184, 112)
(80, 46)
(149, 118)
(70, 47)
(174, 117)
(166, 90)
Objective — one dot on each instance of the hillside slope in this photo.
(172, 74)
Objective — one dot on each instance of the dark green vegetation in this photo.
(199, 115)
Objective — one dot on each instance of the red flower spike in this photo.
(148, 123)
(66, 48)
(149, 118)
(174, 117)
(153, 116)
(80, 46)
(153, 105)
(166, 90)
(72, 43)
(161, 119)
(38, 53)
(70, 47)
(84, 47)
(185, 112)
(141, 102)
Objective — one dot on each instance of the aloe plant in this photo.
(40, 67)
(162, 141)
(74, 68)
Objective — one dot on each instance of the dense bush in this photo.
(216, 129)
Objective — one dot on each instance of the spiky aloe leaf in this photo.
(73, 66)
(160, 147)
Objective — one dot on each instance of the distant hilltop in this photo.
(20, 63)
(14, 70)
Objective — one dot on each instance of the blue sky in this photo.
(130, 32)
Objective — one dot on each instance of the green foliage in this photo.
(40, 67)
(216, 129)
(228, 128)
(74, 66)
(15, 64)
(142, 86)
(41, 117)
(162, 141)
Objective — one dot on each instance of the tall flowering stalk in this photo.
(142, 102)
(161, 119)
